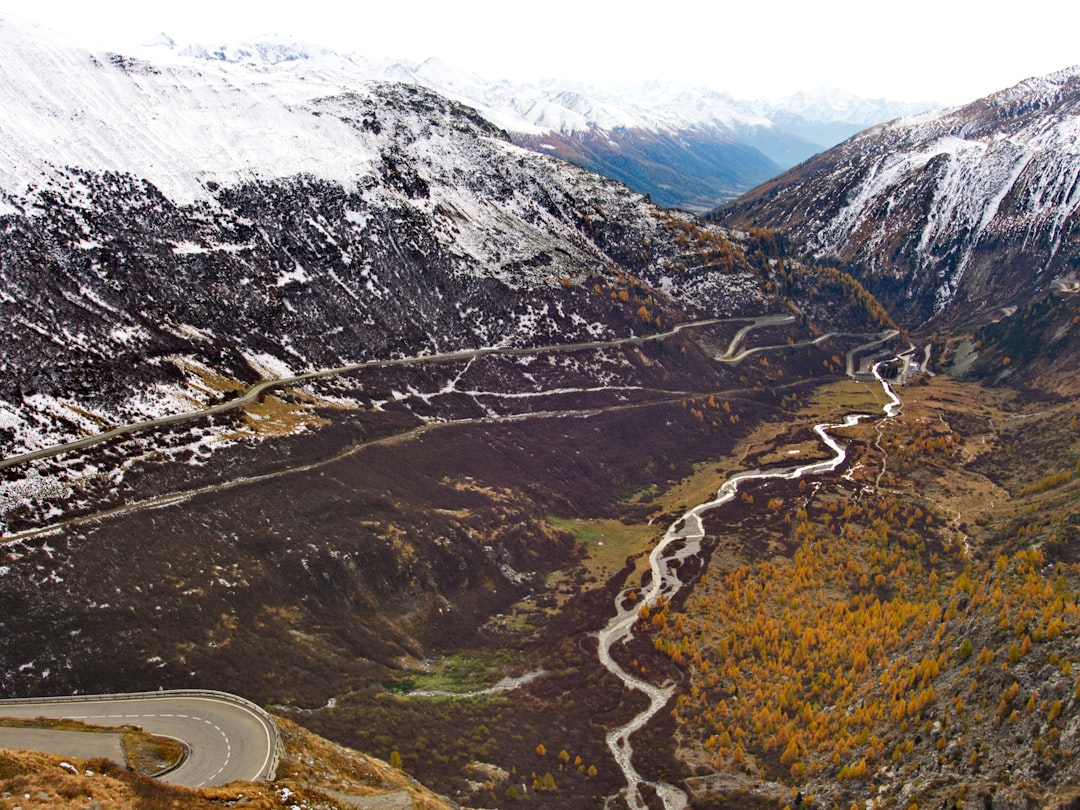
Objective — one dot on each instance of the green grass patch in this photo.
(609, 542)
(638, 493)
(459, 674)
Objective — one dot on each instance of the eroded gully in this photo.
(681, 541)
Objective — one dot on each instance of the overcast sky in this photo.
(949, 51)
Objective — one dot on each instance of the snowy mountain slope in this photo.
(830, 104)
(685, 146)
(550, 106)
(161, 220)
(175, 231)
(826, 116)
(787, 130)
(960, 209)
(690, 170)
(682, 149)
(175, 126)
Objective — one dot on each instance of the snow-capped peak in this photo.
(197, 122)
(829, 104)
(966, 205)
(264, 50)
(567, 107)
(1041, 90)
(162, 40)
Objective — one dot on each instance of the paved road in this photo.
(228, 738)
(257, 390)
(78, 744)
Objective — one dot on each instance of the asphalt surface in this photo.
(227, 740)
(77, 744)
(258, 389)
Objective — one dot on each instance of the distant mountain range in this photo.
(954, 212)
(686, 147)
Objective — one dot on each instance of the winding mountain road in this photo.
(259, 388)
(735, 354)
(732, 355)
(230, 739)
(227, 738)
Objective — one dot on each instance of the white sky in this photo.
(949, 51)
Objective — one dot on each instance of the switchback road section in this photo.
(257, 390)
(227, 738)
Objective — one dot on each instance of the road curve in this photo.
(259, 388)
(228, 738)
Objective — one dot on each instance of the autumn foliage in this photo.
(852, 653)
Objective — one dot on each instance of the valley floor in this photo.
(873, 634)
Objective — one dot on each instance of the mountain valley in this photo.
(334, 395)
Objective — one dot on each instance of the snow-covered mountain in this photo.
(826, 105)
(962, 209)
(685, 146)
(159, 219)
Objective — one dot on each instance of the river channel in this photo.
(681, 541)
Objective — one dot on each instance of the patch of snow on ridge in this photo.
(127, 335)
(268, 366)
(883, 177)
(1043, 90)
(534, 109)
(297, 275)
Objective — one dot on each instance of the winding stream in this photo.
(681, 541)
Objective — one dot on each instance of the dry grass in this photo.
(315, 763)
(273, 416)
(314, 773)
(959, 511)
(59, 782)
(785, 442)
(149, 754)
(145, 753)
(609, 542)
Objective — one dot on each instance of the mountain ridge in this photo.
(198, 173)
(959, 210)
(657, 138)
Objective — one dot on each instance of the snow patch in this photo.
(268, 366)
(297, 275)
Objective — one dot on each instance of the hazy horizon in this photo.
(928, 52)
